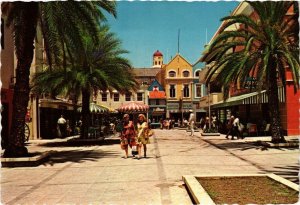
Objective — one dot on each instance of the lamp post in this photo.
(182, 106)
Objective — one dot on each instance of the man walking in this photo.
(62, 126)
(192, 122)
(236, 131)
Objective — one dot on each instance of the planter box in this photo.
(25, 161)
(200, 195)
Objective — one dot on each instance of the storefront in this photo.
(50, 111)
(251, 108)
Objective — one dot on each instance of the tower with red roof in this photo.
(157, 59)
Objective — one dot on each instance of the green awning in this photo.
(236, 100)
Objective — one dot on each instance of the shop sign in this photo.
(187, 106)
(159, 109)
(173, 106)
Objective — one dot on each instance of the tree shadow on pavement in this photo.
(287, 172)
(78, 143)
(245, 145)
(79, 156)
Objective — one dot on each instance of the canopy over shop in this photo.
(95, 109)
(134, 108)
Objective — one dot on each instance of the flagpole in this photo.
(178, 41)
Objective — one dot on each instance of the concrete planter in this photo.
(200, 196)
(25, 161)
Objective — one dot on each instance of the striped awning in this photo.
(133, 107)
(94, 108)
(249, 99)
(262, 97)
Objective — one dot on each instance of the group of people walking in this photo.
(135, 137)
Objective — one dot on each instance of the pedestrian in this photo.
(142, 137)
(127, 135)
(185, 122)
(202, 123)
(179, 122)
(230, 126)
(68, 128)
(214, 120)
(236, 131)
(161, 123)
(192, 122)
(62, 126)
(206, 126)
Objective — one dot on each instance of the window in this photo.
(155, 88)
(186, 73)
(198, 90)
(139, 96)
(172, 74)
(116, 96)
(197, 74)
(172, 91)
(127, 96)
(104, 97)
(186, 91)
(155, 62)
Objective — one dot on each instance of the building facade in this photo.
(178, 84)
(252, 106)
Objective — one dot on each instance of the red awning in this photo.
(157, 94)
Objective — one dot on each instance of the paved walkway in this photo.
(100, 175)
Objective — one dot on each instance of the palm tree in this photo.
(266, 45)
(60, 23)
(99, 66)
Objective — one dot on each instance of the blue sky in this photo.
(147, 26)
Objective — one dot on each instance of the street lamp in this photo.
(182, 105)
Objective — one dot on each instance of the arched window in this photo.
(172, 74)
(186, 73)
(197, 74)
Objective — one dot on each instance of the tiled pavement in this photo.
(100, 175)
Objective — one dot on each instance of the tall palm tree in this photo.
(99, 66)
(60, 23)
(266, 45)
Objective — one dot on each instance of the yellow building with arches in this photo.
(178, 83)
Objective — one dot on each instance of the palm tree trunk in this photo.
(85, 112)
(276, 133)
(24, 41)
